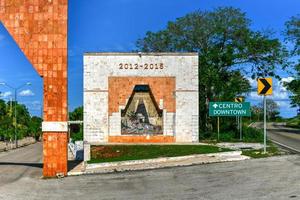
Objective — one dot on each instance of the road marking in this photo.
(250, 125)
(285, 146)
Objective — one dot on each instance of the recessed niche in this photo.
(142, 115)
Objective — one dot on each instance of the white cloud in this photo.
(287, 79)
(280, 96)
(252, 82)
(284, 80)
(280, 91)
(284, 104)
(26, 93)
(5, 94)
(254, 96)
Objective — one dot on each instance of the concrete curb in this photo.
(157, 163)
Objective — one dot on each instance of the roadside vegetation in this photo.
(272, 150)
(294, 122)
(251, 135)
(26, 125)
(76, 130)
(111, 153)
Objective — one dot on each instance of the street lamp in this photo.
(15, 91)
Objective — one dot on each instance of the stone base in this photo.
(55, 154)
(141, 139)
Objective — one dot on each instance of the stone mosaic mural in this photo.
(142, 116)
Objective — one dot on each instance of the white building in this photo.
(140, 98)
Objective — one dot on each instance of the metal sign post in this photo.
(239, 119)
(241, 128)
(218, 128)
(265, 125)
(238, 122)
(264, 87)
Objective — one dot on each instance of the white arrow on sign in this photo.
(215, 105)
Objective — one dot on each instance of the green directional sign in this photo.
(218, 109)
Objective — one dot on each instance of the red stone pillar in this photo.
(39, 27)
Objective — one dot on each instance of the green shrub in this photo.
(249, 134)
(77, 136)
(294, 122)
(77, 133)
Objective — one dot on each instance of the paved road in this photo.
(271, 178)
(22, 162)
(282, 134)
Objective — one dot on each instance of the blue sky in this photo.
(115, 25)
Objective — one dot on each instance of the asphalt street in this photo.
(22, 162)
(278, 132)
(271, 178)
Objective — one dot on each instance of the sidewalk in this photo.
(156, 163)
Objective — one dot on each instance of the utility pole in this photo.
(15, 121)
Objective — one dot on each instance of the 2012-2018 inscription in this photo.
(145, 66)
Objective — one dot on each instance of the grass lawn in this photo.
(271, 151)
(111, 153)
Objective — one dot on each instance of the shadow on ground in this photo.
(37, 165)
(73, 163)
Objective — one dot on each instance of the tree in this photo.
(35, 127)
(26, 125)
(6, 126)
(272, 109)
(292, 34)
(227, 49)
(257, 112)
(76, 129)
(77, 114)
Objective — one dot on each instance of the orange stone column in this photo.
(39, 27)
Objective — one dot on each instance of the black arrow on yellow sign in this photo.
(264, 86)
(239, 99)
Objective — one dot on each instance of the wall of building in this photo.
(109, 79)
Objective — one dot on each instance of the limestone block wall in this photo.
(186, 121)
(109, 79)
(96, 116)
(169, 123)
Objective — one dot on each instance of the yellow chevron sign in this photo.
(264, 86)
(239, 99)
